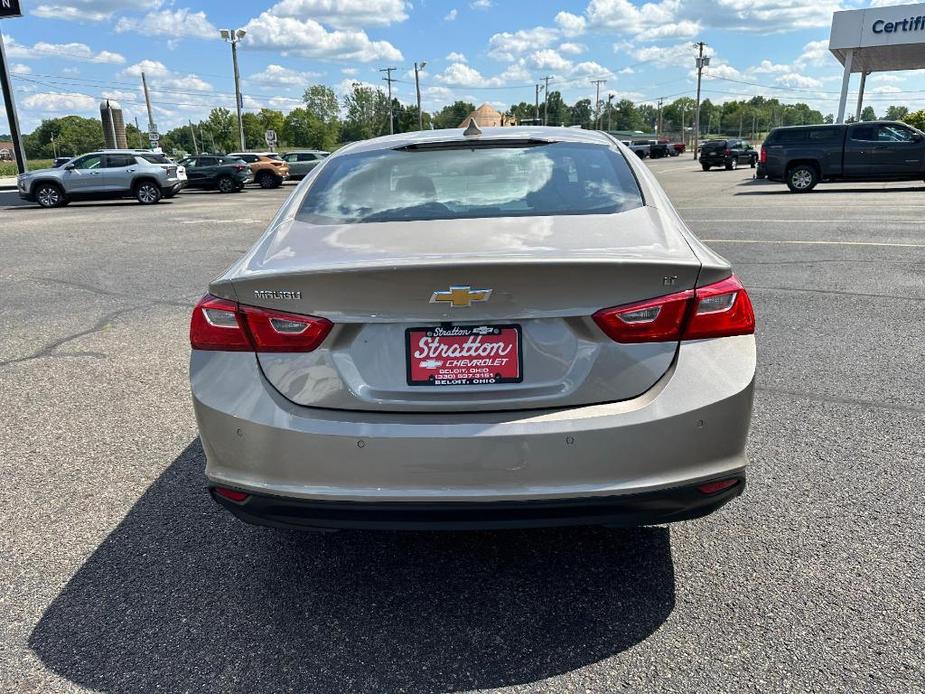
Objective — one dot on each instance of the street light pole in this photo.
(417, 87)
(233, 36)
(701, 62)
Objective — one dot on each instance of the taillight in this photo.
(239, 167)
(721, 309)
(728, 152)
(763, 155)
(232, 494)
(220, 324)
(655, 320)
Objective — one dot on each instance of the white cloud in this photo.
(663, 18)
(90, 10)
(344, 14)
(815, 53)
(767, 67)
(20, 69)
(462, 75)
(507, 45)
(175, 23)
(572, 48)
(161, 78)
(680, 54)
(279, 76)
(548, 59)
(60, 102)
(307, 38)
(795, 79)
(451, 15)
(571, 24)
(455, 57)
(71, 51)
(350, 71)
(480, 4)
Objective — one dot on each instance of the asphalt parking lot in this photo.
(120, 575)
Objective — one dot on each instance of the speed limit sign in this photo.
(270, 137)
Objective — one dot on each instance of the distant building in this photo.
(485, 116)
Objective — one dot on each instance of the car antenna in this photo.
(472, 130)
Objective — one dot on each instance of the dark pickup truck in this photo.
(869, 151)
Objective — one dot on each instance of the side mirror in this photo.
(917, 137)
(69, 167)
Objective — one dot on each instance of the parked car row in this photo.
(151, 176)
(655, 149)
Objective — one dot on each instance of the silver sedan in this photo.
(499, 328)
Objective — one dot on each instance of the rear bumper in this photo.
(688, 428)
(649, 508)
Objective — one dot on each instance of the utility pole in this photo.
(701, 63)
(388, 78)
(233, 36)
(152, 126)
(193, 133)
(658, 128)
(597, 102)
(536, 107)
(546, 101)
(740, 123)
(6, 87)
(417, 88)
(609, 108)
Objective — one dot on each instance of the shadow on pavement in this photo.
(783, 190)
(182, 597)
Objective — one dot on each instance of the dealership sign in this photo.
(880, 38)
(10, 8)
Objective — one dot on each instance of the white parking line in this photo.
(819, 243)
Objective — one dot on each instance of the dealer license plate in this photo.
(463, 355)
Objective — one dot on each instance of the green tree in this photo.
(253, 131)
(451, 116)
(916, 119)
(70, 135)
(367, 113)
(868, 113)
(895, 112)
(221, 130)
(557, 113)
(581, 113)
(321, 103)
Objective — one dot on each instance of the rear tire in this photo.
(268, 180)
(731, 164)
(226, 184)
(49, 195)
(147, 193)
(802, 178)
(705, 167)
(753, 162)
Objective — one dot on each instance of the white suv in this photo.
(112, 173)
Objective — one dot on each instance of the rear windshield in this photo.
(715, 144)
(273, 156)
(561, 178)
(154, 158)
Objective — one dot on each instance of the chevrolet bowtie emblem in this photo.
(460, 297)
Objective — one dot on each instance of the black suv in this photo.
(226, 174)
(802, 156)
(728, 154)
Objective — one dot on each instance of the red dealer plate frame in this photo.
(483, 370)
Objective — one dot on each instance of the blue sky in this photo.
(67, 54)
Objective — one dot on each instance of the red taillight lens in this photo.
(655, 320)
(232, 494)
(763, 155)
(728, 152)
(220, 324)
(239, 167)
(217, 325)
(721, 309)
(276, 331)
